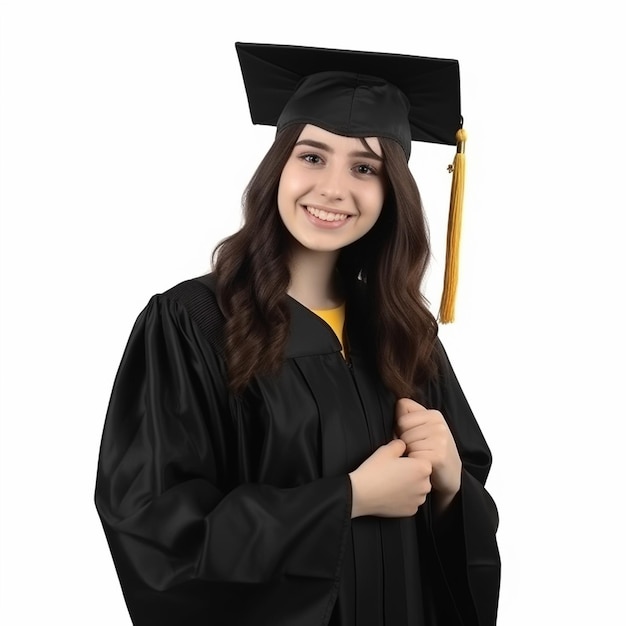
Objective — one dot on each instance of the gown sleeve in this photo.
(463, 539)
(190, 544)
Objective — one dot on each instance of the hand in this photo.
(388, 484)
(427, 436)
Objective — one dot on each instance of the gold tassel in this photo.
(451, 276)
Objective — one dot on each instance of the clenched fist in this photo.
(387, 484)
(427, 436)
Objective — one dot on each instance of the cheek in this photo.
(284, 195)
(290, 189)
(292, 181)
(376, 202)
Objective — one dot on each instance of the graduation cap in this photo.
(365, 94)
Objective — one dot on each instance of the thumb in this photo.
(395, 448)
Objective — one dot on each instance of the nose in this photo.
(333, 183)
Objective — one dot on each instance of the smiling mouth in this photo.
(327, 216)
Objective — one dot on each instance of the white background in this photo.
(126, 142)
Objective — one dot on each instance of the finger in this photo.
(423, 445)
(425, 462)
(414, 436)
(430, 419)
(433, 434)
(406, 405)
(407, 421)
(419, 432)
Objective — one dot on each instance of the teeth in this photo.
(326, 216)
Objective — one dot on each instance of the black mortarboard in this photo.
(366, 94)
(363, 94)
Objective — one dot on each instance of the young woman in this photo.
(286, 442)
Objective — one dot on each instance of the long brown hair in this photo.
(252, 273)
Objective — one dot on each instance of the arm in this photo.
(184, 535)
(463, 536)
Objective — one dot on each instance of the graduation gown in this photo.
(234, 510)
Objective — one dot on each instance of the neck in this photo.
(314, 282)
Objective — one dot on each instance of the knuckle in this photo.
(438, 415)
(402, 404)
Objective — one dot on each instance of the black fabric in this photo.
(350, 104)
(353, 93)
(235, 510)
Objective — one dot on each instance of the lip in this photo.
(322, 223)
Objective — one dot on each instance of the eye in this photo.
(311, 158)
(365, 169)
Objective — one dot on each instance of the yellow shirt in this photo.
(335, 318)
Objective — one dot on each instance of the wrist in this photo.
(441, 500)
(358, 508)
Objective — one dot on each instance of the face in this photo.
(331, 190)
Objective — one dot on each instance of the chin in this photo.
(323, 246)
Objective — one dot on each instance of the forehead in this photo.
(339, 143)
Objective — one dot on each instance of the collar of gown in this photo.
(309, 334)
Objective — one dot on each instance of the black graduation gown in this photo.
(235, 510)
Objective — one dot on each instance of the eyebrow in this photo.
(320, 145)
